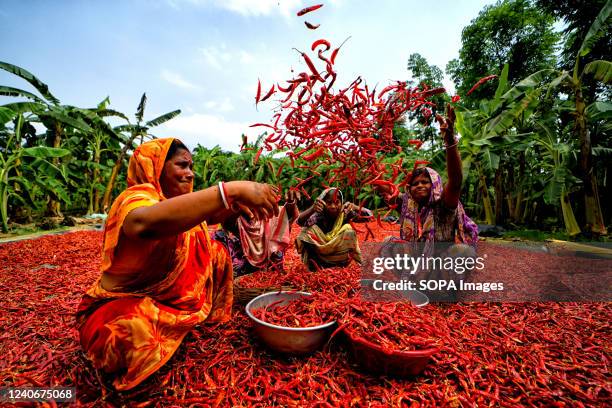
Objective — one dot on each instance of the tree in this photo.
(431, 75)
(578, 16)
(511, 31)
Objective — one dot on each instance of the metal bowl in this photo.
(289, 340)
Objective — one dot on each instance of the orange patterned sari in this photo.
(161, 288)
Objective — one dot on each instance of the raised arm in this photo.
(181, 213)
(317, 207)
(452, 189)
(291, 205)
(354, 213)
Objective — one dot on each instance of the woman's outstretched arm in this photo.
(452, 189)
(181, 213)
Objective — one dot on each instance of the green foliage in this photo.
(510, 31)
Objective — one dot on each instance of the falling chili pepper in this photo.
(480, 82)
(258, 94)
(311, 26)
(321, 42)
(309, 9)
(268, 94)
(257, 156)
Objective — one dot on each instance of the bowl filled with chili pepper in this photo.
(290, 322)
(392, 338)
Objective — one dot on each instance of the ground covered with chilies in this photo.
(498, 354)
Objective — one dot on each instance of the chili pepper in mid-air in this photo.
(416, 143)
(309, 9)
(311, 26)
(335, 52)
(480, 82)
(312, 156)
(321, 42)
(418, 163)
(268, 94)
(257, 156)
(310, 64)
(258, 95)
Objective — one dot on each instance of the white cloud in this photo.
(245, 57)
(207, 130)
(221, 106)
(176, 79)
(216, 57)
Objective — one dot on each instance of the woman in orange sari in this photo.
(161, 273)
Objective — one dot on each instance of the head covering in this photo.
(144, 172)
(340, 218)
(410, 220)
(328, 190)
(147, 163)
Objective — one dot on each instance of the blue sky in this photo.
(205, 56)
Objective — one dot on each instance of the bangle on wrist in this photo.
(223, 195)
(448, 146)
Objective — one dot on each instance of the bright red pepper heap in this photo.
(301, 312)
(491, 354)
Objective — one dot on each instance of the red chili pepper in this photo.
(455, 99)
(262, 124)
(480, 82)
(416, 143)
(269, 94)
(258, 95)
(257, 156)
(321, 42)
(419, 163)
(314, 155)
(367, 140)
(311, 26)
(309, 9)
(310, 64)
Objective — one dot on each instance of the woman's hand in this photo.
(348, 207)
(447, 125)
(319, 205)
(291, 197)
(255, 200)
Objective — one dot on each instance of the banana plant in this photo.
(485, 132)
(558, 178)
(12, 156)
(601, 70)
(48, 111)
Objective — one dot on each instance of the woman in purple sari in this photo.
(432, 219)
(430, 211)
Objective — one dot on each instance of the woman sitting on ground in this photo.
(161, 273)
(327, 238)
(430, 211)
(258, 244)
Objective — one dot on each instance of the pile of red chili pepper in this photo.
(491, 354)
(302, 312)
(272, 279)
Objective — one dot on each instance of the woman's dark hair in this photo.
(174, 147)
(419, 172)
